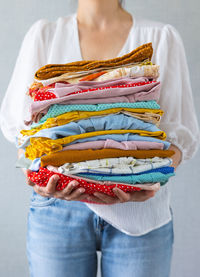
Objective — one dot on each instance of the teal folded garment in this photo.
(132, 179)
(57, 109)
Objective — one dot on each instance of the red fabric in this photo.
(43, 93)
(41, 178)
(41, 96)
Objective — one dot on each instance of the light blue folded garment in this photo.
(93, 124)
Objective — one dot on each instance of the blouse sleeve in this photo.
(32, 55)
(179, 120)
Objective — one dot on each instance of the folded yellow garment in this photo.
(76, 156)
(78, 115)
(40, 146)
(139, 54)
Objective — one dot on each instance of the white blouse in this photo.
(58, 42)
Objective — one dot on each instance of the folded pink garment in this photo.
(62, 89)
(146, 92)
(109, 143)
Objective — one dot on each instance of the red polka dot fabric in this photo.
(41, 178)
(41, 96)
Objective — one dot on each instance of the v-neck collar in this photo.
(77, 39)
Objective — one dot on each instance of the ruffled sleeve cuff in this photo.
(187, 142)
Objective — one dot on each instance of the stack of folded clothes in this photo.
(98, 122)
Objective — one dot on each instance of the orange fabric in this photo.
(75, 156)
(93, 76)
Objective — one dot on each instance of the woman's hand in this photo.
(70, 193)
(121, 196)
(177, 157)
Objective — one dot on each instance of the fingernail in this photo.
(95, 193)
(56, 177)
(82, 190)
(75, 184)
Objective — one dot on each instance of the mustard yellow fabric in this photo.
(76, 156)
(40, 146)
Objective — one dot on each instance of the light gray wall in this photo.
(16, 18)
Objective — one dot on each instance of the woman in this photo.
(135, 233)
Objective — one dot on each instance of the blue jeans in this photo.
(63, 238)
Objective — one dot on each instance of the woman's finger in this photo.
(83, 196)
(28, 181)
(51, 185)
(95, 199)
(123, 196)
(40, 190)
(106, 198)
(138, 196)
(69, 188)
(36, 189)
(75, 194)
